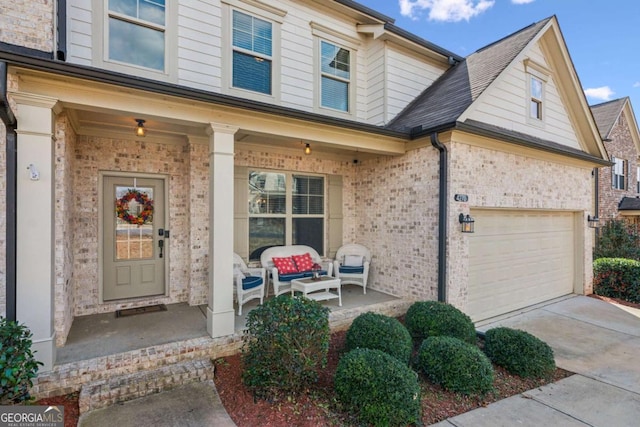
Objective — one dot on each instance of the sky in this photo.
(603, 36)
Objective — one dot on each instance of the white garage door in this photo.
(519, 258)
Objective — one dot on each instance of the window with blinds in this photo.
(252, 53)
(335, 76)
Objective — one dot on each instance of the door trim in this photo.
(101, 175)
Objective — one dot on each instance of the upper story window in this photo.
(335, 76)
(136, 31)
(252, 53)
(638, 180)
(535, 106)
(618, 173)
(537, 76)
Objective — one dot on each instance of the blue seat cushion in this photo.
(251, 282)
(351, 270)
(290, 276)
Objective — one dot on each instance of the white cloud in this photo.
(603, 93)
(445, 10)
(636, 84)
(522, 1)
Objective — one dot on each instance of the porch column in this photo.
(220, 315)
(35, 252)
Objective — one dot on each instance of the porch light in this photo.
(307, 149)
(140, 130)
(467, 223)
(593, 221)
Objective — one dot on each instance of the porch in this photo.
(109, 359)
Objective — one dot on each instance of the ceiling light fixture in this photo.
(307, 149)
(140, 130)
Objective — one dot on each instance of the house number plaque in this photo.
(461, 198)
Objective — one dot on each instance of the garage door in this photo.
(519, 258)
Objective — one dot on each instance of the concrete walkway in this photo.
(598, 341)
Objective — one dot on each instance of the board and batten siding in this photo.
(505, 104)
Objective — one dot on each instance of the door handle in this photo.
(161, 246)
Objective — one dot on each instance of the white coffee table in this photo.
(318, 289)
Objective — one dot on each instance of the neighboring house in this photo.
(619, 184)
(405, 136)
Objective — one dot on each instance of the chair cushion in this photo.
(251, 282)
(353, 260)
(303, 262)
(285, 265)
(345, 269)
(290, 276)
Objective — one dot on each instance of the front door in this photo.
(134, 251)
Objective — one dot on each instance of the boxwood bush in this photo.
(455, 365)
(380, 389)
(617, 278)
(380, 332)
(432, 318)
(285, 343)
(519, 352)
(18, 366)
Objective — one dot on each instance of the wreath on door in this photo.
(145, 214)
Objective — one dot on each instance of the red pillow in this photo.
(303, 262)
(284, 265)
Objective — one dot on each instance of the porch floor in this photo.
(103, 334)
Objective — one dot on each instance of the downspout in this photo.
(11, 124)
(596, 176)
(442, 217)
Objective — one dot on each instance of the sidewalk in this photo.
(598, 341)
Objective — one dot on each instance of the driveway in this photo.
(598, 341)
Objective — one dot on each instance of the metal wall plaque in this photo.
(461, 198)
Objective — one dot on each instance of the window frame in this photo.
(289, 216)
(100, 42)
(321, 34)
(334, 77)
(539, 73)
(638, 179)
(618, 181)
(263, 12)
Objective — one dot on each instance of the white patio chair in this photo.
(352, 265)
(249, 282)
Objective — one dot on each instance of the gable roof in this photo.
(629, 204)
(448, 97)
(606, 115)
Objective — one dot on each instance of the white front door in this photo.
(134, 251)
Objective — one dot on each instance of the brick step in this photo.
(118, 389)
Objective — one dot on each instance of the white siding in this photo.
(505, 104)
(375, 83)
(407, 76)
(80, 31)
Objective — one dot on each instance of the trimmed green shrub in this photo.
(617, 239)
(380, 332)
(432, 318)
(285, 343)
(617, 278)
(455, 365)
(380, 389)
(519, 352)
(18, 367)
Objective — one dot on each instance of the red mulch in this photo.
(71, 408)
(616, 301)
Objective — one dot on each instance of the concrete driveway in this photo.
(598, 341)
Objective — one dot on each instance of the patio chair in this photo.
(352, 265)
(249, 282)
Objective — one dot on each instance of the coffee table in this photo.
(318, 289)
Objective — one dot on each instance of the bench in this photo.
(282, 282)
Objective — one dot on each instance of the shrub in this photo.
(380, 389)
(617, 239)
(455, 365)
(285, 343)
(18, 367)
(431, 318)
(519, 352)
(617, 278)
(380, 332)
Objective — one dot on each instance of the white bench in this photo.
(282, 283)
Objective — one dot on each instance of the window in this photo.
(136, 32)
(618, 173)
(285, 208)
(335, 76)
(535, 106)
(252, 53)
(638, 180)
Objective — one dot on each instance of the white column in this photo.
(220, 314)
(35, 275)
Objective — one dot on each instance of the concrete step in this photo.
(118, 389)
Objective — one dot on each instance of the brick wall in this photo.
(621, 146)
(27, 23)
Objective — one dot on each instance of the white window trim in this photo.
(323, 33)
(541, 73)
(618, 166)
(638, 179)
(100, 44)
(265, 12)
(289, 215)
